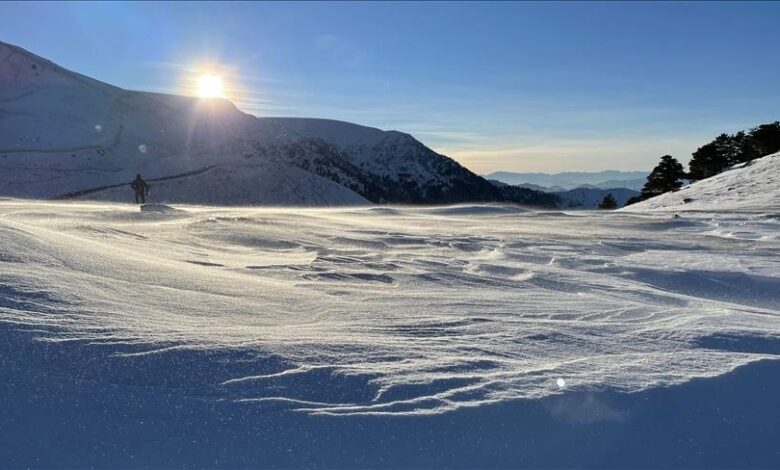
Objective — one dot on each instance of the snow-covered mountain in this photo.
(571, 180)
(66, 135)
(751, 186)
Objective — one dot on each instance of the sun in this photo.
(210, 86)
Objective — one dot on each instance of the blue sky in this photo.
(498, 86)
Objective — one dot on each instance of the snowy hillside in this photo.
(261, 183)
(62, 133)
(746, 187)
(384, 337)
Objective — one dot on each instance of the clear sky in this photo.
(498, 86)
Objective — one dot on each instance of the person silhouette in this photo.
(141, 189)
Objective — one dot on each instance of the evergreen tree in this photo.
(747, 147)
(712, 158)
(609, 202)
(727, 150)
(705, 162)
(727, 146)
(766, 138)
(666, 176)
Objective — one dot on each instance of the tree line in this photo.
(711, 158)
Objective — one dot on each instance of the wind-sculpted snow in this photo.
(390, 310)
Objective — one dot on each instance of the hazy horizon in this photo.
(520, 87)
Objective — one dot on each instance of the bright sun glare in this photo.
(209, 86)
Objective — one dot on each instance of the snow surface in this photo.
(429, 309)
(754, 186)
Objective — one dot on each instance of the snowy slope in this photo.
(747, 187)
(386, 154)
(261, 183)
(62, 133)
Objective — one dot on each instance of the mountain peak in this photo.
(21, 68)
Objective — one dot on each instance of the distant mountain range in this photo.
(584, 197)
(589, 198)
(554, 182)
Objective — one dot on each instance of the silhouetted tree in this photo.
(705, 162)
(609, 202)
(727, 147)
(712, 158)
(666, 176)
(747, 147)
(727, 150)
(766, 138)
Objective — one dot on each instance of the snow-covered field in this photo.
(385, 312)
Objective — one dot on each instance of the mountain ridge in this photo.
(64, 133)
(605, 179)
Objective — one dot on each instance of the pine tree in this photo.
(727, 150)
(766, 138)
(609, 202)
(666, 176)
(712, 158)
(748, 150)
(705, 162)
(727, 147)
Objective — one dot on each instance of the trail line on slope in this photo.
(84, 192)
